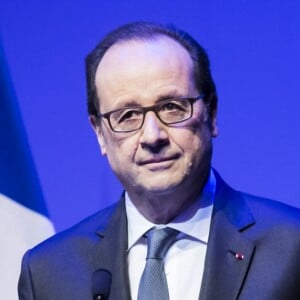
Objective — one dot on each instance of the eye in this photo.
(174, 105)
(127, 115)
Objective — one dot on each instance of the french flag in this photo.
(24, 220)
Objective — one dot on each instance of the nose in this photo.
(154, 135)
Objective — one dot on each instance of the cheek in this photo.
(197, 131)
(120, 149)
(201, 129)
(194, 141)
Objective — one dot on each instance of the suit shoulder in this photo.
(263, 209)
(83, 233)
(270, 211)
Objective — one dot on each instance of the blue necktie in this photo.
(153, 284)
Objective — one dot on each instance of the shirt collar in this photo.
(194, 221)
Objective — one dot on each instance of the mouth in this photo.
(159, 161)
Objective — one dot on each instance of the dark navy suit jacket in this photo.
(253, 253)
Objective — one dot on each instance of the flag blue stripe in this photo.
(18, 176)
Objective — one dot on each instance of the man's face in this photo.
(157, 158)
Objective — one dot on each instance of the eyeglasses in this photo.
(168, 111)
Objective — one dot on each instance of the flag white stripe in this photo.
(20, 229)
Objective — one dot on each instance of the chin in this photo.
(161, 186)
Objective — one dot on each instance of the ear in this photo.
(214, 125)
(99, 134)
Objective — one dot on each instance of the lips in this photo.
(158, 160)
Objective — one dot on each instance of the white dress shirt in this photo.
(184, 261)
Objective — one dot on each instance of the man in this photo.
(152, 103)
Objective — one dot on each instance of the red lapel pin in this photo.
(239, 256)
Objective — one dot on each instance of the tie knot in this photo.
(159, 241)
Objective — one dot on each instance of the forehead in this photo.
(160, 47)
(157, 47)
(143, 66)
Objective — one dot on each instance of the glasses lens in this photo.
(169, 111)
(126, 119)
(174, 110)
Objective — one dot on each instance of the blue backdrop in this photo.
(254, 46)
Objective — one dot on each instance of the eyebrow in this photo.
(171, 95)
(135, 103)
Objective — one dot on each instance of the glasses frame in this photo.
(154, 108)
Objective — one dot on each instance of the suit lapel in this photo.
(229, 253)
(228, 257)
(111, 252)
